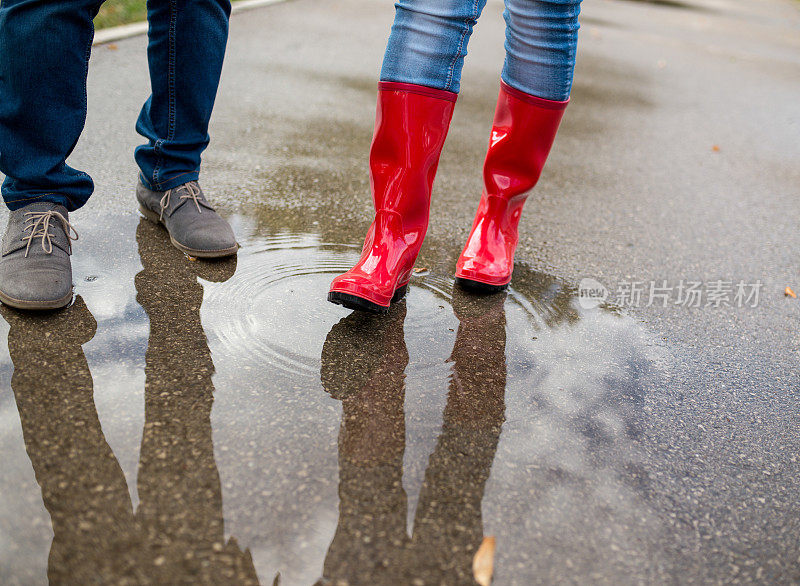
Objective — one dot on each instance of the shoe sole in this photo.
(357, 303)
(153, 217)
(480, 287)
(36, 305)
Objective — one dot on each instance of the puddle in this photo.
(676, 4)
(220, 422)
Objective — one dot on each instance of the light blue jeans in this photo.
(429, 42)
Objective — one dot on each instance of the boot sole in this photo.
(36, 305)
(357, 303)
(153, 217)
(480, 287)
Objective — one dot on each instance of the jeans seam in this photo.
(464, 32)
(41, 195)
(173, 25)
(573, 55)
(87, 56)
(160, 183)
(171, 98)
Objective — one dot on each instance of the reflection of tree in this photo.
(363, 363)
(176, 536)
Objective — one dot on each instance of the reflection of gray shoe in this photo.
(35, 270)
(193, 225)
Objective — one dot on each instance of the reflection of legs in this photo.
(179, 486)
(83, 487)
(448, 527)
(363, 363)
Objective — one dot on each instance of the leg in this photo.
(187, 46)
(185, 53)
(541, 42)
(45, 48)
(410, 129)
(428, 42)
(541, 38)
(419, 84)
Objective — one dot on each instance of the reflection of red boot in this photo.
(522, 133)
(410, 129)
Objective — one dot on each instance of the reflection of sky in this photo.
(573, 398)
(573, 407)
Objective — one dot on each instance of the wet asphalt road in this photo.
(190, 422)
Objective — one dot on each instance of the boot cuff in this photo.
(396, 86)
(533, 100)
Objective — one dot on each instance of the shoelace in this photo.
(39, 225)
(193, 192)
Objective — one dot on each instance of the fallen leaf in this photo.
(715, 148)
(112, 47)
(483, 562)
(789, 293)
(191, 258)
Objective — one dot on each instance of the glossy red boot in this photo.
(522, 133)
(410, 128)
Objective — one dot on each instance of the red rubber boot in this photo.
(522, 133)
(410, 127)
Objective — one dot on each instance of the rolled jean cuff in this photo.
(171, 183)
(534, 100)
(14, 204)
(397, 86)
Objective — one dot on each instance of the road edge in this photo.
(125, 31)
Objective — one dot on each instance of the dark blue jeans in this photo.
(44, 56)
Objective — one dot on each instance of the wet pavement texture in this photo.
(221, 423)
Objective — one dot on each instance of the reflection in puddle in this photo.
(363, 365)
(364, 450)
(176, 532)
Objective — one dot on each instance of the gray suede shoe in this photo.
(35, 269)
(193, 225)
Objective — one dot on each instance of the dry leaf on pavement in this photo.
(483, 562)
